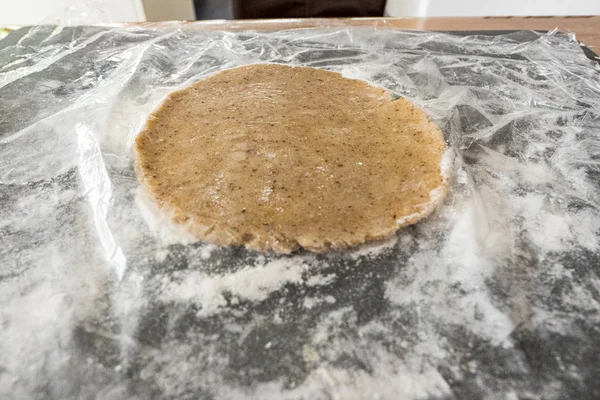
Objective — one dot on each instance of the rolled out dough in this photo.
(276, 158)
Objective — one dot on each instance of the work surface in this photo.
(497, 295)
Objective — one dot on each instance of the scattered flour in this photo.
(374, 249)
(266, 194)
(207, 250)
(310, 302)
(462, 263)
(252, 283)
(161, 255)
(320, 280)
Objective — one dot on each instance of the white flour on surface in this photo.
(252, 283)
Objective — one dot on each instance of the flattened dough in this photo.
(276, 158)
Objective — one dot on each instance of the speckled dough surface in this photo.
(276, 158)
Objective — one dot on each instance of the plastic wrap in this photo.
(496, 295)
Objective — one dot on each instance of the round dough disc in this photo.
(277, 158)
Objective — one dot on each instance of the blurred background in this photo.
(27, 12)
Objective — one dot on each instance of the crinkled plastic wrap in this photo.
(496, 295)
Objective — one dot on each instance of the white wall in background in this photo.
(476, 8)
(170, 10)
(29, 12)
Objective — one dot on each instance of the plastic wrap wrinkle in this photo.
(496, 295)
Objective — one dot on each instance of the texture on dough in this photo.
(276, 158)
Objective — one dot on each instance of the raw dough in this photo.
(276, 158)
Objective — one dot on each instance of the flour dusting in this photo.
(252, 283)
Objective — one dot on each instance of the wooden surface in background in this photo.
(587, 29)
